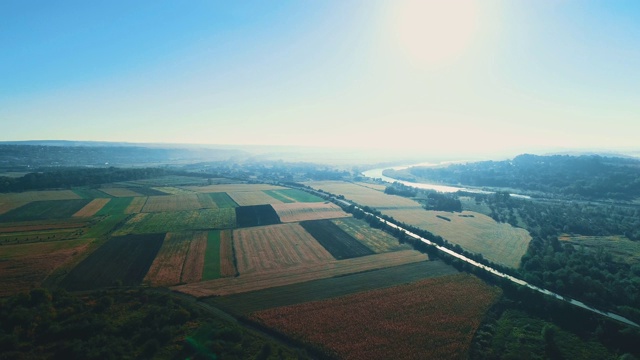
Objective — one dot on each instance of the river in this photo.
(377, 173)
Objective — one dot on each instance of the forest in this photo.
(572, 177)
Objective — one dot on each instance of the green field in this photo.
(90, 193)
(375, 239)
(115, 206)
(621, 248)
(276, 195)
(223, 200)
(211, 269)
(207, 219)
(249, 302)
(44, 210)
(106, 224)
(293, 195)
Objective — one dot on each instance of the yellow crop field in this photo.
(46, 195)
(281, 277)
(294, 212)
(375, 239)
(276, 247)
(194, 262)
(363, 194)
(247, 198)
(136, 205)
(498, 242)
(120, 192)
(167, 266)
(171, 203)
(91, 208)
(232, 188)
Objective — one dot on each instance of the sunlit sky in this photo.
(434, 76)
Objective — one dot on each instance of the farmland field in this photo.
(233, 187)
(207, 219)
(620, 247)
(249, 198)
(105, 225)
(375, 239)
(51, 224)
(173, 190)
(212, 260)
(171, 203)
(25, 266)
(194, 263)
(293, 195)
(223, 200)
(147, 191)
(167, 265)
(337, 242)
(276, 247)
(498, 242)
(206, 202)
(295, 212)
(8, 206)
(252, 282)
(22, 237)
(227, 257)
(170, 180)
(256, 215)
(121, 260)
(44, 210)
(332, 287)
(91, 208)
(431, 319)
(86, 193)
(365, 195)
(116, 206)
(45, 195)
(136, 205)
(120, 192)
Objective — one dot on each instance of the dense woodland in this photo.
(582, 177)
(123, 324)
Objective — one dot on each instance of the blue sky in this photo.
(431, 76)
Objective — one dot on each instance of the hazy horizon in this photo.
(434, 77)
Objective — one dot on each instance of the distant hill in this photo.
(580, 177)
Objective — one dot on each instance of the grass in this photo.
(211, 268)
(279, 196)
(104, 226)
(314, 290)
(121, 260)
(375, 239)
(90, 193)
(206, 219)
(337, 242)
(621, 248)
(498, 242)
(115, 206)
(43, 210)
(223, 200)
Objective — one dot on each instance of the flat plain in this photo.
(364, 195)
(295, 212)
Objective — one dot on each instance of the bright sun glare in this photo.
(431, 33)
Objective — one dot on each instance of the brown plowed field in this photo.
(26, 266)
(91, 208)
(10, 205)
(276, 247)
(248, 198)
(227, 265)
(194, 262)
(280, 277)
(166, 268)
(432, 319)
(294, 212)
(172, 203)
(136, 205)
